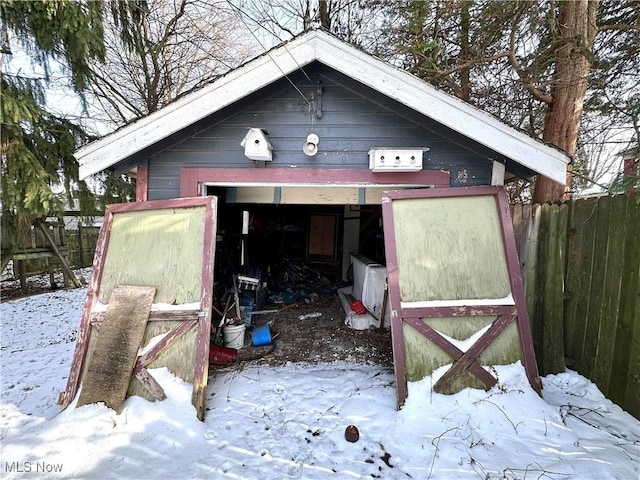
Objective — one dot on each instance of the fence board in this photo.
(608, 315)
(560, 243)
(87, 241)
(550, 289)
(530, 263)
(624, 387)
(632, 394)
(517, 220)
(573, 283)
(596, 293)
(536, 287)
(586, 216)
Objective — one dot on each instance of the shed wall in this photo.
(353, 120)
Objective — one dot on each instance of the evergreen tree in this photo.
(37, 144)
(535, 65)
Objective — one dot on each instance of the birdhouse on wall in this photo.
(256, 145)
(396, 159)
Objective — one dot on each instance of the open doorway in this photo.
(258, 240)
(299, 256)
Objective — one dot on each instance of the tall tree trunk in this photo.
(465, 50)
(306, 19)
(323, 11)
(576, 30)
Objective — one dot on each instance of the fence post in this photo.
(79, 246)
(550, 290)
(530, 256)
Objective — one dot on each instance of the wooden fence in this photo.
(34, 255)
(82, 245)
(580, 262)
(39, 247)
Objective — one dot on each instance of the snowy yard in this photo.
(289, 422)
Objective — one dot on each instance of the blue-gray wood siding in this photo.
(354, 119)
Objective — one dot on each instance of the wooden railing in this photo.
(44, 243)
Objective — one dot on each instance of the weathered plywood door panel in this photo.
(174, 265)
(452, 231)
(110, 367)
(454, 279)
(168, 245)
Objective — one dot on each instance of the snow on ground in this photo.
(289, 422)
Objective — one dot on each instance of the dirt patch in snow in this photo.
(323, 338)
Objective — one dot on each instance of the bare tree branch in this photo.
(522, 75)
(178, 45)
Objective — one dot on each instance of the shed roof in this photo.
(311, 46)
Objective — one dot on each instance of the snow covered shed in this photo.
(375, 128)
(303, 140)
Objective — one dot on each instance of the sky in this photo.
(289, 422)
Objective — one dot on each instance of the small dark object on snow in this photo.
(351, 434)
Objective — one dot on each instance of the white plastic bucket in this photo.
(233, 335)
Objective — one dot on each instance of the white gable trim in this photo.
(316, 45)
(446, 109)
(235, 85)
